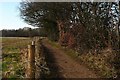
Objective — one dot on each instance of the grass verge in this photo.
(100, 63)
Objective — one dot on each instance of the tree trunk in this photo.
(61, 30)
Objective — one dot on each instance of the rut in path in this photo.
(62, 66)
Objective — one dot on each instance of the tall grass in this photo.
(11, 56)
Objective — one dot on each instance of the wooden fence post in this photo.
(31, 61)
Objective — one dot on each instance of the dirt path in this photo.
(63, 66)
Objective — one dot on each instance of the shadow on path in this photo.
(51, 62)
(62, 66)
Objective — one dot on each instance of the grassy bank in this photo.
(11, 56)
(101, 63)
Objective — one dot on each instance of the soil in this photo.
(63, 66)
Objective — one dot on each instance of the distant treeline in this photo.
(23, 32)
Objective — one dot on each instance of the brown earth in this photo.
(62, 66)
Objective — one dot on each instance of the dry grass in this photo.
(100, 63)
(11, 51)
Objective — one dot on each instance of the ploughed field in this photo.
(12, 65)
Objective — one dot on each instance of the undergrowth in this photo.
(101, 63)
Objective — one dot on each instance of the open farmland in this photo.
(60, 40)
(11, 56)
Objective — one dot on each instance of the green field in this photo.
(11, 56)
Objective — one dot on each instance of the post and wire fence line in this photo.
(36, 60)
(31, 61)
